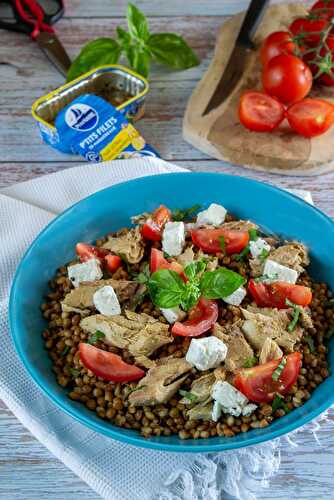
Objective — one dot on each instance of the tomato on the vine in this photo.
(311, 117)
(309, 29)
(324, 8)
(260, 112)
(288, 78)
(279, 42)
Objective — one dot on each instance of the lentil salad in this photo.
(163, 376)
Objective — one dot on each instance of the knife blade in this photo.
(239, 56)
(54, 50)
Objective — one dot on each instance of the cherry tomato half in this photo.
(311, 117)
(108, 365)
(279, 42)
(158, 261)
(288, 78)
(260, 112)
(257, 383)
(209, 240)
(152, 229)
(275, 294)
(86, 252)
(112, 262)
(201, 318)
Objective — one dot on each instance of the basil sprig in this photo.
(278, 403)
(138, 46)
(295, 315)
(184, 214)
(167, 289)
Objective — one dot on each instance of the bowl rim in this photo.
(136, 439)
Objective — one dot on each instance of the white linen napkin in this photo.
(116, 471)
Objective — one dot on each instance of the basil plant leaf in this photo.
(194, 268)
(166, 288)
(139, 59)
(172, 50)
(137, 23)
(190, 296)
(220, 283)
(123, 37)
(95, 53)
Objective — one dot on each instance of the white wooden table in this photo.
(27, 470)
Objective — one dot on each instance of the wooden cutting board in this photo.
(220, 135)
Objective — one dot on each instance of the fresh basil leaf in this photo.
(95, 53)
(222, 242)
(330, 302)
(95, 337)
(220, 283)
(188, 395)
(65, 351)
(75, 372)
(166, 288)
(277, 373)
(190, 296)
(172, 50)
(137, 23)
(187, 213)
(250, 362)
(278, 403)
(194, 268)
(143, 276)
(263, 255)
(242, 254)
(123, 37)
(253, 236)
(139, 59)
(310, 342)
(295, 315)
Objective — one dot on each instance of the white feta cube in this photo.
(278, 272)
(214, 215)
(173, 238)
(86, 271)
(106, 301)
(231, 400)
(216, 411)
(206, 353)
(248, 409)
(172, 314)
(236, 297)
(256, 247)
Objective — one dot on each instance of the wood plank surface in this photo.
(27, 470)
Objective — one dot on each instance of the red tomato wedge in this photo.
(86, 252)
(275, 294)
(108, 365)
(158, 261)
(201, 318)
(112, 262)
(279, 42)
(152, 229)
(311, 117)
(257, 383)
(209, 240)
(260, 112)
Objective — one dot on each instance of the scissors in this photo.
(33, 18)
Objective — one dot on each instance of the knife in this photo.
(240, 55)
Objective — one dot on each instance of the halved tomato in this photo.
(311, 117)
(201, 318)
(108, 365)
(257, 383)
(259, 112)
(112, 262)
(86, 252)
(275, 294)
(158, 261)
(152, 229)
(209, 240)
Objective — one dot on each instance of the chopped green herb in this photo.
(65, 351)
(187, 213)
(277, 373)
(310, 342)
(242, 254)
(75, 372)
(330, 332)
(138, 299)
(295, 315)
(253, 236)
(95, 337)
(188, 395)
(266, 277)
(222, 242)
(278, 403)
(143, 276)
(250, 362)
(166, 255)
(330, 302)
(263, 255)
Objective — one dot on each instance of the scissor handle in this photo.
(31, 13)
(16, 24)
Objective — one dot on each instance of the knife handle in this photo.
(251, 21)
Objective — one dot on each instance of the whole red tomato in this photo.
(309, 29)
(311, 117)
(324, 8)
(288, 78)
(279, 42)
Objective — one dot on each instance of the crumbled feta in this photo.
(214, 215)
(236, 297)
(216, 411)
(279, 272)
(173, 238)
(106, 301)
(248, 409)
(257, 246)
(231, 400)
(172, 314)
(87, 271)
(206, 353)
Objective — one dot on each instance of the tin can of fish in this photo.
(120, 86)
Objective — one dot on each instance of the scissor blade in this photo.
(231, 76)
(54, 50)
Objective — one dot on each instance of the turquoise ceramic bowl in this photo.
(110, 209)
